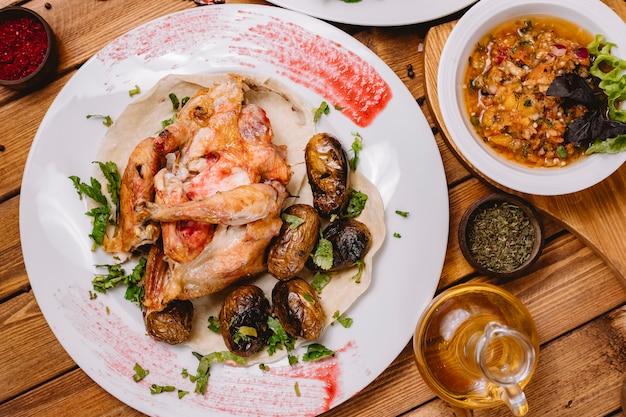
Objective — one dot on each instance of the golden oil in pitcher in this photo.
(476, 346)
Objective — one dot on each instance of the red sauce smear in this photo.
(23, 45)
(342, 77)
(324, 66)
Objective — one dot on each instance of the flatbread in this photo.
(292, 123)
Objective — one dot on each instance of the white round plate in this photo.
(106, 335)
(376, 12)
(592, 15)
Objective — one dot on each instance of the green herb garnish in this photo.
(344, 321)
(175, 101)
(107, 121)
(214, 324)
(134, 91)
(280, 339)
(201, 378)
(356, 204)
(117, 276)
(293, 221)
(159, 389)
(102, 214)
(323, 109)
(356, 148)
(357, 277)
(114, 183)
(315, 352)
(320, 280)
(323, 254)
(165, 123)
(140, 373)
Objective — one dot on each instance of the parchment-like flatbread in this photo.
(293, 126)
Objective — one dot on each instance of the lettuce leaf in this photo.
(609, 69)
(611, 145)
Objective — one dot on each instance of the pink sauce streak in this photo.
(238, 391)
(322, 65)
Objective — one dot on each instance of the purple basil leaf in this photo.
(593, 125)
(574, 89)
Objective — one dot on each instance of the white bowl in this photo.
(594, 16)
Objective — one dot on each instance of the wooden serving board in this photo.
(596, 215)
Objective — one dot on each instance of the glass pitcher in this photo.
(476, 346)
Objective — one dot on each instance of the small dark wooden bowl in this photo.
(46, 70)
(488, 201)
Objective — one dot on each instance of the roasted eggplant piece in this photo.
(172, 324)
(243, 320)
(289, 251)
(298, 308)
(351, 240)
(327, 170)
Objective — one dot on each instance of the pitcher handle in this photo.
(508, 378)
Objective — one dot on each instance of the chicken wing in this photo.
(137, 188)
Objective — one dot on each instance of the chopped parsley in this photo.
(140, 373)
(344, 321)
(175, 101)
(293, 221)
(280, 339)
(320, 280)
(357, 147)
(323, 109)
(357, 277)
(323, 254)
(116, 276)
(134, 91)
(107, 121)
(201, 378)
(165, 123)
(356, 203)
(402, 213)
(316, 351)
(176, 105)
(214, 324)
(102, 214)
(159, 389)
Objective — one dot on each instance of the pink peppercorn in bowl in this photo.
(28, 49)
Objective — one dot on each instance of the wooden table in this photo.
(575, 298)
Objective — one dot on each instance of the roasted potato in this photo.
(172, 324)
(350, 239)
(298, 308)
(327, 170)
(289, 251)
(243, 320)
